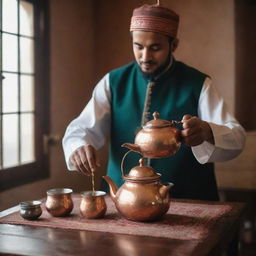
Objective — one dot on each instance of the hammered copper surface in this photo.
(93, 204)
(30, 210)
(157, 139)
(59, 202)
(142, 197)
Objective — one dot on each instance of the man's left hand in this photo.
(195, 131)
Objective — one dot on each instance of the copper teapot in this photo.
(157, 139)
(142, 197)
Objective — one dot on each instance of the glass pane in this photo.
(27, 93)
(10, 140)
(26, 55)
(27, 138)
(10, 14)
(10, 52)
(26, 18)
(10, 93)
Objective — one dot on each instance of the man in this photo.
(126, 98)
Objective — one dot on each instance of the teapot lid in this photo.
(142, 173)
(157, 122)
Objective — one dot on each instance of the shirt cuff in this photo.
(203, 152)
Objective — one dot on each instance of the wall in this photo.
(239, 173)
(72, 36)
(245, 13)
(207, 41)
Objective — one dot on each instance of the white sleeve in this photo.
(229, 135)
(93, 124)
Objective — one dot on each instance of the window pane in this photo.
(10, 93)
(10, 140)
(27, 138)
(26, 55)
(10, 15)
(26, 18)
(27, 93)
(10, 52)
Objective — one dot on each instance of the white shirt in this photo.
(92, 126)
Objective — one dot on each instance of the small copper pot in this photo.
(59, 201)
(30, 210)
(93, 204)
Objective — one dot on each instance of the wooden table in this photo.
(32, 240)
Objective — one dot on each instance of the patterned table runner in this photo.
(184, 220)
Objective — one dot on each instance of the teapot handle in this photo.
(175, 123)
(122, 162)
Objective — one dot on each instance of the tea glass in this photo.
(59, 201)
(30, 210)
(93, 204)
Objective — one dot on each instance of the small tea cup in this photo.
(59, 201)
(30, 210)
(93, 204)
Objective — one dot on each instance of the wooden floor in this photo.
(247, 241)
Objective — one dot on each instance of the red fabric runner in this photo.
(184, 220)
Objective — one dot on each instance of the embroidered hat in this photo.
(155, 18)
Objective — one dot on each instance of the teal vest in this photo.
(176, 93)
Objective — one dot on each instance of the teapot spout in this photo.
(133, 147)
(164, 189)
(112, 187)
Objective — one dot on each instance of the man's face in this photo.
(151, 50)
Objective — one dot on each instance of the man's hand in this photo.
(85, 159)
(195, 131)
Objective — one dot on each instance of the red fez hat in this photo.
(155, 18)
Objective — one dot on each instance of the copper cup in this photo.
(93, 204)
(30, 210)
(59, 201)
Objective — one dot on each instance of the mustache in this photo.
(147, 62)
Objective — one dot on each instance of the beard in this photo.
(152, 76)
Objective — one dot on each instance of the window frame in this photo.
(26, 173)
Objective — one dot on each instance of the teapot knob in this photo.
(156, 115)
(141, 161)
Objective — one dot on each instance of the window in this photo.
(23, 91)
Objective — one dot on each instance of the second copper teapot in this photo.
(157, 139)
(142, 197)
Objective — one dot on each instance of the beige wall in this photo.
(240, 172)
(207, 41)
(89, 38)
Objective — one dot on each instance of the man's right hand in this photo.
(85, 159)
